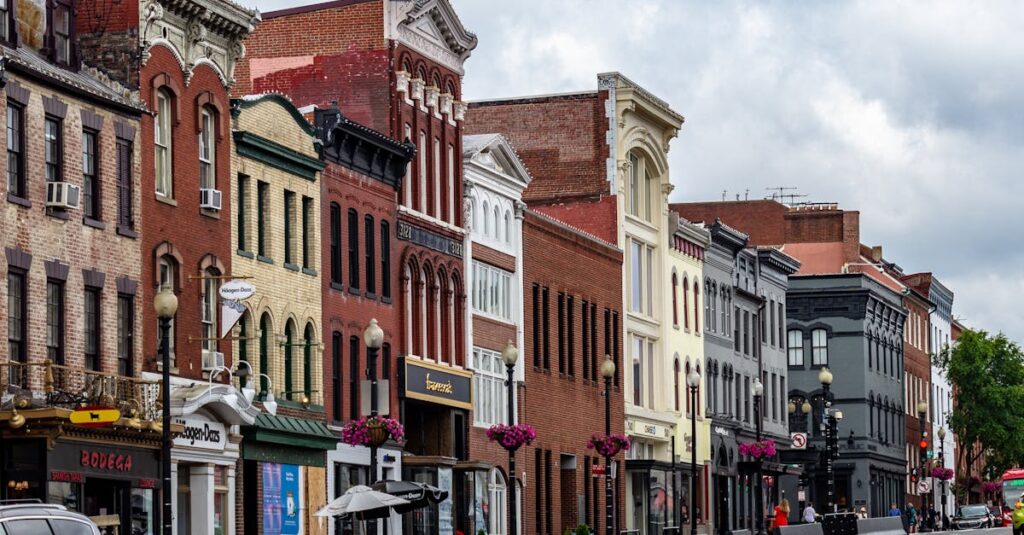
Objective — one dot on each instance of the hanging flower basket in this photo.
(990, 487)
(942, 474)
(608, 446)
(511, 437)
(372, 431)
(758, 450)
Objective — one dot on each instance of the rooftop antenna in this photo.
(779, 194)
(746, 195)
(724, 193)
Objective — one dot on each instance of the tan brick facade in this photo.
(286, 291)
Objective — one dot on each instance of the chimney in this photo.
(851, 236)
(876, 254)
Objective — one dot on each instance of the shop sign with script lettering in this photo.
(437, 383)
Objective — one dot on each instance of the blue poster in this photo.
(282, 509)
(292, 514)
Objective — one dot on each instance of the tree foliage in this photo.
(987, 372)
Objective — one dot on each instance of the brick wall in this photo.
(193, 234)
(69, 240)
(561, 139)
(567, 261)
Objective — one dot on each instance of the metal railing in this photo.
(35, 385)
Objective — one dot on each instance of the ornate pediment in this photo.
(432, 28)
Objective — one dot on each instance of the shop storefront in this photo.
(436, 401)
(116, 485)
(725, 481)
(348, 466)
(285, 478)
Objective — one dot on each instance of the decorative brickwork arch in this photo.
(171, 86)
(167, 249)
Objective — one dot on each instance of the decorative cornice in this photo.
(276, 155)
(249, 101)
(362, 149)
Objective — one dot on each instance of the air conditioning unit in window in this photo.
(209, 199)
(62, 195)
(212, 360)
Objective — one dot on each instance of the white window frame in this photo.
(211, 287)
(207, 151)
(492, 291)
(795, 347)
(641, 278)
(819, 347)
(437, 177)
(407, 183)
(497, 490)
(163, 141)
(490, 400)
(422, 147)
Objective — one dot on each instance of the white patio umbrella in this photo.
(362, 502)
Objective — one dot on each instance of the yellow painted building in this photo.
(684, 340)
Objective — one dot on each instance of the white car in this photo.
(34, 518)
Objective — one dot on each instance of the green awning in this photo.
(288, 433)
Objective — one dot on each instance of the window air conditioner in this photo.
(209, 199)
(62, 195)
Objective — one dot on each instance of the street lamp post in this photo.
(166, 305)
(942, 463)
(608, 371)
(758, 390)
(693, 381)
(922, 410)
(509, 356)
(825, 378)
(373, 337)
(805, 409)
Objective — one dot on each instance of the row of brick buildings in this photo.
(322, 162)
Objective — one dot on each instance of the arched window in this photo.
(675, 382)
(207, 149)
(162, 141)
(289, 361)
(497, 226)
(712, 299)
(675, 365)
(496, 489)
(475, 213)
(707, 304)
(686, 299)
(336, 374)
(369, 230)
(486, 216)
(871, 414)
(819, 347)
(264, 367)
(307, 361)
(696, 306)
(385, 259)
(336, 244)
(642, 186)
(675, 302)
(696, 409)
(508, 226)
(795, 347)
(211, 286)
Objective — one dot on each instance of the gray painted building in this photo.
(854, 325)
(744, 321)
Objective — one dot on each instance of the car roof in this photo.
(36, 510)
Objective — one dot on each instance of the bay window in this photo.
(490, 401)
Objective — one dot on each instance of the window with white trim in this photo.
(819, 348)
(162, 144)
(492, 291)
(207, 174)
(795, 348)
(211, 287)
(490, 396)
(641, 277)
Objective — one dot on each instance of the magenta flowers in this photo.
(608, 446)
(758, 450)
(511, 437)
(944, 474)
(371, 431)
(990, 487)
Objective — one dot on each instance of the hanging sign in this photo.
(232, 293)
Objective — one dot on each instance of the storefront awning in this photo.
(284, 439)
(223, 401)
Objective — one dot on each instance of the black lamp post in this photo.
(693, 381)
(805, 409)
(509, 356)
(758, 390)
(942, 463)
(825, 378)
(608, 372)
(373, 337)
(922, 410)
(166, 305)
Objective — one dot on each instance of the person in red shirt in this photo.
(781, 517)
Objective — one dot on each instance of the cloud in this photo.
(912, 113)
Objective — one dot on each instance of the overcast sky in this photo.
(912, 113)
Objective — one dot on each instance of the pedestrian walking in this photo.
(894, 511)
(862, 513)
(810, 515)
(781, 516)
(910, 519)
(1018, 518)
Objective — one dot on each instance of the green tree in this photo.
(987, 373)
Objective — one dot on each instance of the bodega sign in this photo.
(201, 433)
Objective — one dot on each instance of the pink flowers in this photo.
(989, 487)
(608, 446)
(758, 450)
(371, 431)
(944, 474)
(511, 437)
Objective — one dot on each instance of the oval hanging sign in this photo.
(237, 290)
(95, 416)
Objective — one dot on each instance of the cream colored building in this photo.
(276, 234)
(684, 270)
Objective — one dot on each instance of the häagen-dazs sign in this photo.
(201, 433)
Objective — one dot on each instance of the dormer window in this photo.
(60, 32)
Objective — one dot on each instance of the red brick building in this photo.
(917, 388)
(561, 265)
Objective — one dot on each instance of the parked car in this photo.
(34, 518)
(976, 516)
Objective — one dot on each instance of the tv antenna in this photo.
(779, 193)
